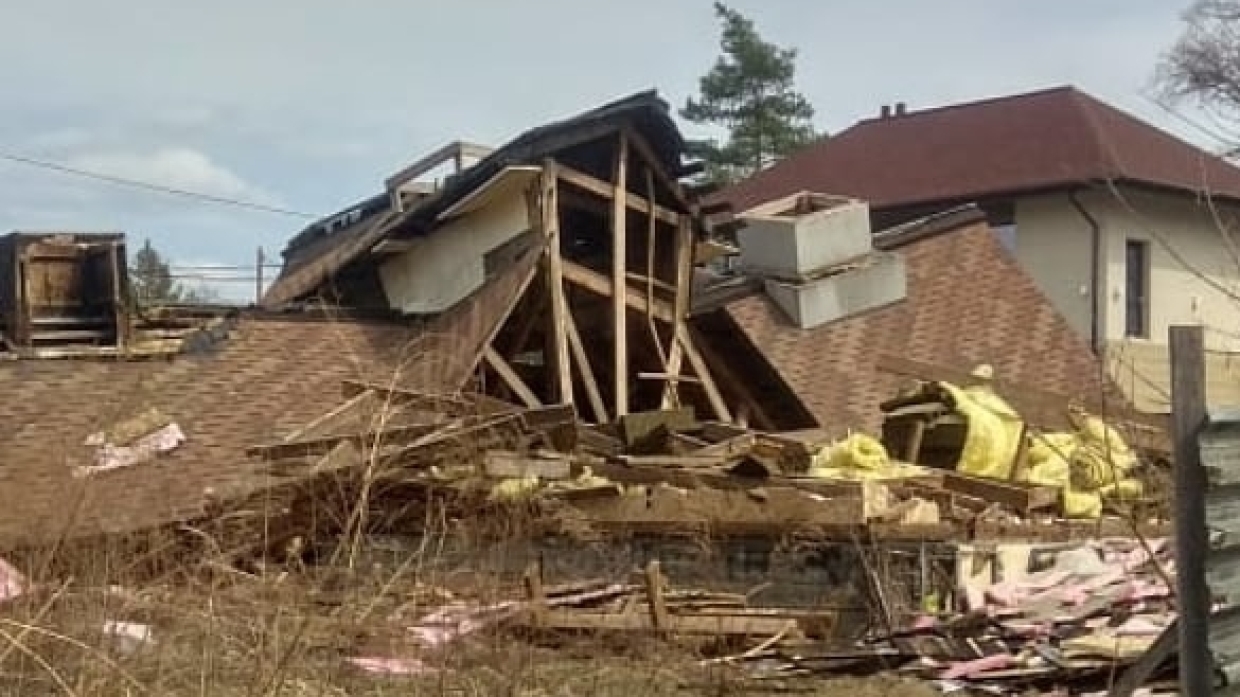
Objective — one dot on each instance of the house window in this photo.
(1137, 289)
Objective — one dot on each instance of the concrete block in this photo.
(798, 236)
(880, 281)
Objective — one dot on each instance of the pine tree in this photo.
(750, 92)
(150, 280)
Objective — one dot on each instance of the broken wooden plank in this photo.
(654, 597)
(1015, 496)
(707, 625)
(638, 427)
(510, 377)
(510, 464)
(324, 444)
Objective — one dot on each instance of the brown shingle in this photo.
(1048, 139)
(269, 377)
(968, 302)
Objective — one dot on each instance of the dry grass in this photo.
(289, 628)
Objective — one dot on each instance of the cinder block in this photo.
(882, 280)
(795, 237)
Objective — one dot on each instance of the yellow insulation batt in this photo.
(993, 434)
(1090, 465)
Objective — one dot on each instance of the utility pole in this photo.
(258, 277)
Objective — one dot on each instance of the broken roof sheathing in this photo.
(967, 303)
(270, 377)
(317, 255)
(1022, 143)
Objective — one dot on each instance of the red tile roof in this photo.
(967, 303)
(1040, 140)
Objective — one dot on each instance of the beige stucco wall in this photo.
(443, 268)
(1053, 245)
(1194, 267)
(1194, 279)
(1193, 271)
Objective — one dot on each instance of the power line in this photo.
(133, 183)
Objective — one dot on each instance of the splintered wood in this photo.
(652, 607)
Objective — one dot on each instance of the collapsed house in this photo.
(552, 317)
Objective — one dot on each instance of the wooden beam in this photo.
(619, 281)
(597, 283)
(703, 372)
(740, 386)
(654, 595)
(646, 152)
(510, 377)
(600, 188)
(550, 223)
(651, 247)
(1192, 537)
(585, 369)
(680, 306)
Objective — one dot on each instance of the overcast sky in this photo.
(310, 104)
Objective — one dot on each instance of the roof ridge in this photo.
(985, 101)
(1086, 107)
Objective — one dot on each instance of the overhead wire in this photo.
(158, 188)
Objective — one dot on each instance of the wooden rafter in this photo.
(585, 369)
(651, 248)
(643, 149)
(550, 223)
(680, 307)
(597, 283)
(510, 377)
(717, 403)
(619, 282)
(602, 189)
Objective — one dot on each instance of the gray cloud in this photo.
(312, 103)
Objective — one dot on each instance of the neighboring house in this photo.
(962, 302)
(1125, 228)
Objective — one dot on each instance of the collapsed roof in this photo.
(328, 250)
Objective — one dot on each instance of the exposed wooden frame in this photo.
(584, 368)
(619, 282)
(549, 210)
(595, 282)
(510, 377)
(646, 152)
(745, 399)
(651, 247)
(680, 307)
(600, 188)
(713, 395)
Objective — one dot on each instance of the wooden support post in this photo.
(510, 377)
(619, 283)
(680, 306)
(534, 594)
(585, 369)
(703, 372)
(651, 247)
(654, 593)
(1188, 416)
(550, 223)
(912, 450)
